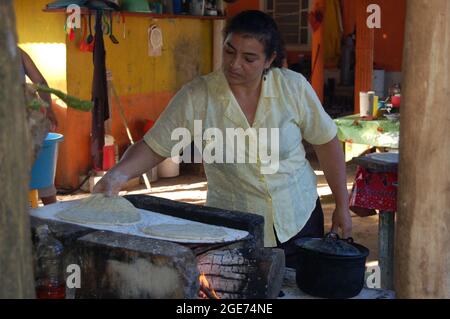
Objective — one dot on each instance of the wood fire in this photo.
(206, 291)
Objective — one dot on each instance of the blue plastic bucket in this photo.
(177, 7)
(44, 168)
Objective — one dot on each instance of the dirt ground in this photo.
(191, 188)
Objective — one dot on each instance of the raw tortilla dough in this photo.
(186, 231)
(101, 210)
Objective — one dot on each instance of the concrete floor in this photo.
(191, 188)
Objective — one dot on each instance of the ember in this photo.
(206, 291)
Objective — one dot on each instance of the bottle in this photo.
(50, 283)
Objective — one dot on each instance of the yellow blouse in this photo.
(286, 198)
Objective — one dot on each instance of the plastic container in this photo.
(378, 82)
(376, 110)
(177, 7)
(109, 158)
(371, 96)
(197, 8)
(135, 5)
(109, 153)
(50, 283)
(396, 100)
(364, 105)
(44, 168)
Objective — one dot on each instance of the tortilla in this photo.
(101, 210)
(197, 232)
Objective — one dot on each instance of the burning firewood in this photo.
(241, 273)
(205, 289)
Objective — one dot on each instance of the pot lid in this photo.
(331, 245)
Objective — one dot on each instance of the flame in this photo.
(205, 283)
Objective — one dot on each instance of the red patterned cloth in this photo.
(373, 191)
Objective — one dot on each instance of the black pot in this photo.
(331, 267)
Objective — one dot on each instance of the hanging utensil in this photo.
(155, 41)
(72, 34)
(86, 43)
(124, 26)
(90, 37)
(111, 35)
(83, 43)
(105, 25)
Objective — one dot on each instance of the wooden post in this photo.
(218, 26)
(386, 231)
(16, 266)
(422, 263)
(317, 61)
(364, 51)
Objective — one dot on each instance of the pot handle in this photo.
(335, 236)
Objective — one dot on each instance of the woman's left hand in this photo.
(52, 118)
(342, 220)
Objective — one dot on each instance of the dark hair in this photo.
(262, 27)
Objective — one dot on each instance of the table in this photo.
(379, 186)
(368, 133)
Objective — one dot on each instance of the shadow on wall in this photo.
(187, 61)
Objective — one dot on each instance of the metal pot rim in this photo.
(364, 252)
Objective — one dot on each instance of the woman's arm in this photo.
(36, 77)
(331, 159)
(137, 160)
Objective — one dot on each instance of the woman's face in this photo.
(244, 59)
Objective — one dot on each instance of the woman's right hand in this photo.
(111, 184)
(138, 159)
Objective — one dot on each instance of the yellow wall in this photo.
(186, 53)
(42, 37)
(145, 84)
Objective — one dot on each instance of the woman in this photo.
(253, 91)
(29, 69)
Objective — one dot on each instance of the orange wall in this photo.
(242, 5)
(389, 39)
(348, 9)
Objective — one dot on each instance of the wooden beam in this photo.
(422, 263)
(16, 265)
(386, 232)
(317, 66)
(218, 39)
(364, 51)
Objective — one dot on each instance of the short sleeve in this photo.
(179, 114)
(316, 125)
